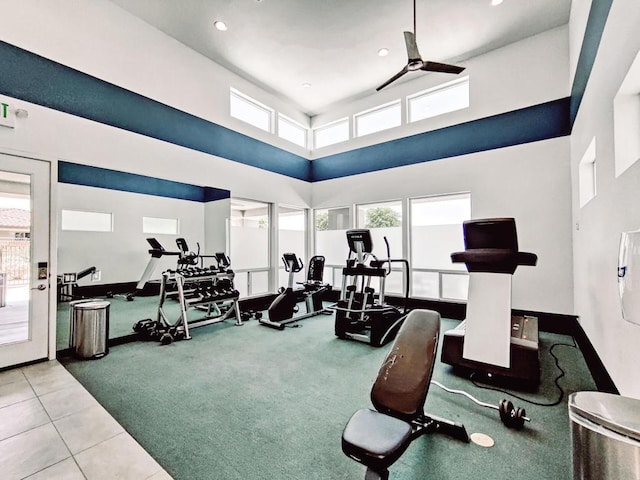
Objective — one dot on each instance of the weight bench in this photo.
(377, 438)
(68, 282)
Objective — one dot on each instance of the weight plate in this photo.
(482, 440)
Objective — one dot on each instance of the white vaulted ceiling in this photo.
(280, 45)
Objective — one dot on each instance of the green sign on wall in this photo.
(7, 115)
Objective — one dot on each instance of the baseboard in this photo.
(256, 304)
(25, 364)
(601, 377)
(104, 289)
(547, 322)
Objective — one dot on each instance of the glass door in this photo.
(24, 260)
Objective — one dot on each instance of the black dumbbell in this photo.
(512, 417)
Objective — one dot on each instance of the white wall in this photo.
(529, 72)
(121, 255)
(577, 25)
(102, 40)
(216, 221)
(616, 207)
(528, 182)
(99, 38)
(65, 137)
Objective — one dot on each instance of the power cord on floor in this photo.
(533, 402)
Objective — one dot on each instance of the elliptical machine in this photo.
(282, 309)
(361, 313)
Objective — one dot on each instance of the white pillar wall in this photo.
(597, 226)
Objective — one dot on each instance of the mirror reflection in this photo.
(117, 234)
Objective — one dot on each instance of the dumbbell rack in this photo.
(197, 290)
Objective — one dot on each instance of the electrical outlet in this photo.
(95, 276)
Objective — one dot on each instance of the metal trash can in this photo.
(89, 328)
(605, 432)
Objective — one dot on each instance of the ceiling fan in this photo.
(415, 61)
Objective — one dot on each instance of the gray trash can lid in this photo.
(97, 305)
(614, 412)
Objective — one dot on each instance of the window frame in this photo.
(235, 93)
(399, 247)
(252, 271)
(292, 123)
(328, 126)
(176, 230)
(66, 229)
(305, 240)
(378, 109)
(333, 271)
(435, 91)
(440, 272)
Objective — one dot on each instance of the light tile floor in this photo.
(52, 428)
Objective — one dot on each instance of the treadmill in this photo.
(491, 341)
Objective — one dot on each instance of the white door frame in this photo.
(53, 241)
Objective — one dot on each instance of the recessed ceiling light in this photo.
(220, 25)
(383, 52)
(495, 2)
(306, 85)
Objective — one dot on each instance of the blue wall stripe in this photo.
(531, 124)
(35, 79)
(212, 194)
(30, 77)
(89, 176)
(593, 34)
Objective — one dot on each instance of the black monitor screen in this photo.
(491, 233)
(363, 237)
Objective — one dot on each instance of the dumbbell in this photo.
(511, 417)
(128, 296)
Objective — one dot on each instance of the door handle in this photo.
(42, 286)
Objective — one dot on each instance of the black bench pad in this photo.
(375, 439)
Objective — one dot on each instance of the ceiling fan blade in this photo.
(412, 46)
(393, 79)
(441, 67)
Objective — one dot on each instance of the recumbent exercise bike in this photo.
(314, 290)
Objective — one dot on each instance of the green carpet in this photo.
(249, 402)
